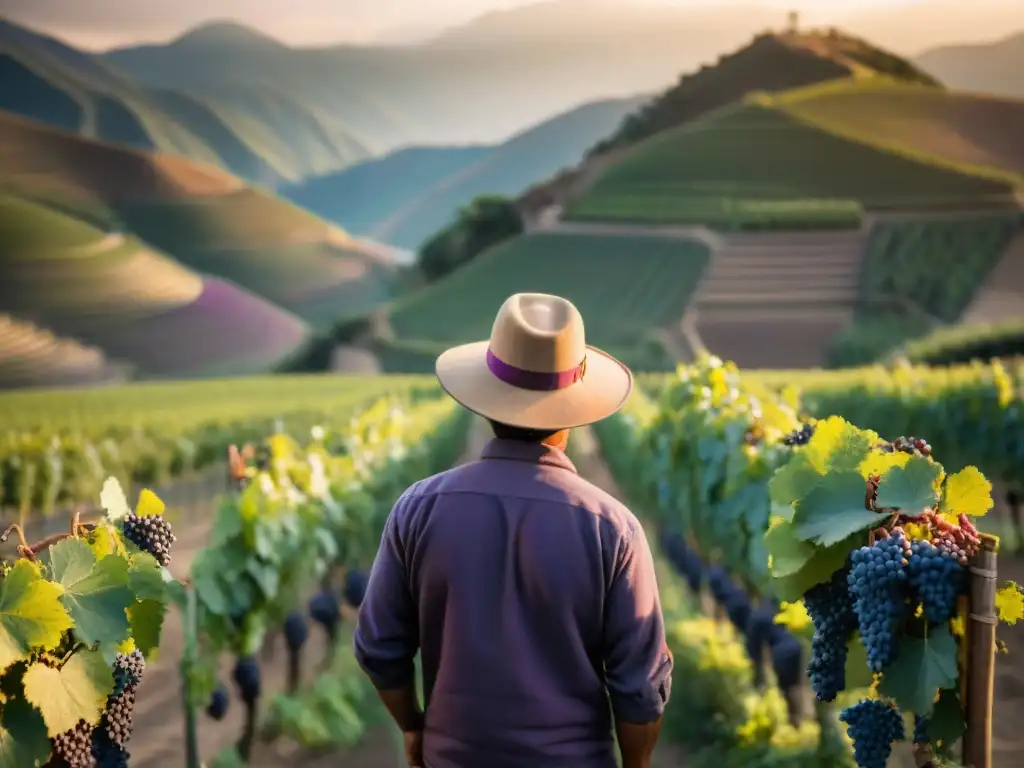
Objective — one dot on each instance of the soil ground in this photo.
(159, 729)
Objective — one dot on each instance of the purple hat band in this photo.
(538, 381)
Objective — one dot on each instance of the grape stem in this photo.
(31, 551)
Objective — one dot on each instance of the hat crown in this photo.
(539, 332)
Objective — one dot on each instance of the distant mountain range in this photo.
(996, 67)
(406, 196)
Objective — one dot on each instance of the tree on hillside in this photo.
(486, 221)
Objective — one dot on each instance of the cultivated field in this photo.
(755, 154)
(626, 287)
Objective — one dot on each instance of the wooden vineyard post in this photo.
(979, 667)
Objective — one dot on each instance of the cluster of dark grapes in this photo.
(937, 578)
(877, 582)
(104, 745)
(737, 608)
(787, 657)
(151, 534)
(831, 610)
(908, 445)
(246, 675)
(873, 726)
(217, 707)
(758, 636)
(325, 610)
(920, 729)
(296, 631)
(354, 589)
(800, 436)
(959, 542)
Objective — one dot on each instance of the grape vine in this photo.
(82, 611)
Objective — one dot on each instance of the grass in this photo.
(936, 265)
(962, 343)
(624, 286)
(758, 151)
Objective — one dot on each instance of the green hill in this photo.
(254, 131)
(765, 152)
(420, 193)
(626, 287)
(996, 67)
(112, 293)
(771, 63)
(205, 218)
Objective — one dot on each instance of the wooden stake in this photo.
(981, 652)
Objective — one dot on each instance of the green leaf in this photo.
(146, 578)
(823, 563)
(96, 592)
(147, 617)
(968, 491)
(76, 691)
(834, 510)
(24, 742)
(788, 553)
(947, 722)
(31, 614)
(912, 488)
(113, 500)
(858, 673)
(837, 446)
(924, 665)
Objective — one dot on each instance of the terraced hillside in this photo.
(111, 292)
(626, 287)
(33, 357)
(259, 133)
(757, 153)
(1001, 296)
(775, 301)
(206, 218)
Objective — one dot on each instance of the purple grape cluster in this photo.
(873, 726)
(937, 578)
(831, 610)
(151, 534)
(877, 581)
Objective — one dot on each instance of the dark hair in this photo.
(507, 432)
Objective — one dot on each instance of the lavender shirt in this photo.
(531, 597)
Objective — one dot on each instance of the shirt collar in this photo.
(533, 453)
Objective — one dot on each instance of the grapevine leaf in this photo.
(1010, 603)
(31, 614)
(912, 488)
(24, 742)
(788, 553)
(834, 510)
(793, 616)
(925, 665)
(823, 563)
(113, 500)
(105, 541)
(149, 504)
(96, 592)
(969, 492)
(147, 617)
(146, 578)
(947, 723)
(76, 691)
(878, 463)
(838, 446)
(791, 482)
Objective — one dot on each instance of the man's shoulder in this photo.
(604, 505)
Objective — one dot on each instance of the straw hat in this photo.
(537, 371)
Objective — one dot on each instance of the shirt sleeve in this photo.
(386, 637)
(638, 663)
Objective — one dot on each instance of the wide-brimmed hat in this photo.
(537, 371)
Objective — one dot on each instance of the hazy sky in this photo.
(98, 24)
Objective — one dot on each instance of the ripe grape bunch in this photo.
(104, 745)
(960, 542)
(908, 445)
(877, 581)
(873, 726)
(937, 578)
(800, 436)
(151, 534)
(831, 610)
